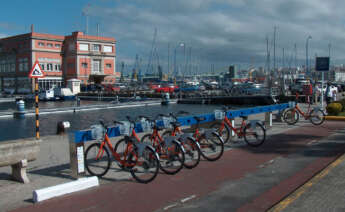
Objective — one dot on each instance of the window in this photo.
(96, 66)
(40, 44)
(84, 47)
(57, 45)
(50, 45)
(108, 49)
(84, 65)
(42, 66)
(96, 47)
(108, 65)
(49, 67)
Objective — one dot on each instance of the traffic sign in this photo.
(322, 64)
(36, 71)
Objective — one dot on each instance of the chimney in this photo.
(32, 28)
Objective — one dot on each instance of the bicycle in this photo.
(139, 159)
(254, 133)
(211, 144)
(189, 145)
(316, 116)
(171, 152)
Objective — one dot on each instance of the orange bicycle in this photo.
(316, 116)
(254, 133)
(211, 144)
(190, 148)
(139, 159)
(171, 152)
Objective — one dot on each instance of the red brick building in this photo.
(90, 59)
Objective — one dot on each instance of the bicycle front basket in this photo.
(219, 114)
(124, 127)
(167, 122)
(145, 125)
(97, 131)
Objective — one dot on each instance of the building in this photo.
(91, 59)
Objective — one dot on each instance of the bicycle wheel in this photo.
(192, 153)
(317, 116)
(254, 135)
(97, 161)
(171, 158)
(144, 164)
(224, 133)
(122, 150)
(291, 116)
(212, 147)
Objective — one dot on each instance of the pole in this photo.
(274, 49)
(168, 60)
(37, 110)
(322, 94)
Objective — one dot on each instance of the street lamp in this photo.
(306, 47)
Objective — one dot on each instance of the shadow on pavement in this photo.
(307, 145)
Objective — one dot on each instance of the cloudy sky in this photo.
(218, 32)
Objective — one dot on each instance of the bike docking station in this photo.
(77, 139)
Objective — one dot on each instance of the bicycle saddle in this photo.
(198, 119)
(244, 117)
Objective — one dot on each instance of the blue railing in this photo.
(85, 135)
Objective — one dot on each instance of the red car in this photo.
(166, 89)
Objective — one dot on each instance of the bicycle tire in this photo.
(250, 132)
(192, 151)
(225, 133)
(291, 116)
(316, 119)
(97, 167)
(120, 148)
(170, 163)
(211, 148)
(144, 166)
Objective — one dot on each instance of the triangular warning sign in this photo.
(36, 71)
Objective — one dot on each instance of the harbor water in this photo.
(11, 128)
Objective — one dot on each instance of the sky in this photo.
(214, 33)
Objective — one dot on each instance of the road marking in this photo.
(297, 193)
(170, 206)
(188, 198)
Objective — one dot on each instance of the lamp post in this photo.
(306, 51)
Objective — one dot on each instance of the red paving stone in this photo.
(207, 177)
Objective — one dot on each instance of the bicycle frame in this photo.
(238, 130)
(129, 148)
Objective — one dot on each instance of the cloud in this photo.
(222, 32)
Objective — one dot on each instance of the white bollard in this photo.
(268, 119)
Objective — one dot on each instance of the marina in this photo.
(141, 106)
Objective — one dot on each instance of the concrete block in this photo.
(65, 188)
(19, 171)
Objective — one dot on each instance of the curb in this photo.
(335, 118)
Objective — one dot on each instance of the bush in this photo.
(334, 108)
(342, 102)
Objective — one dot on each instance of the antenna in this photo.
(97, 29)
(85, 13)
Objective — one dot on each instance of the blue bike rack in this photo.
(85, 135)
